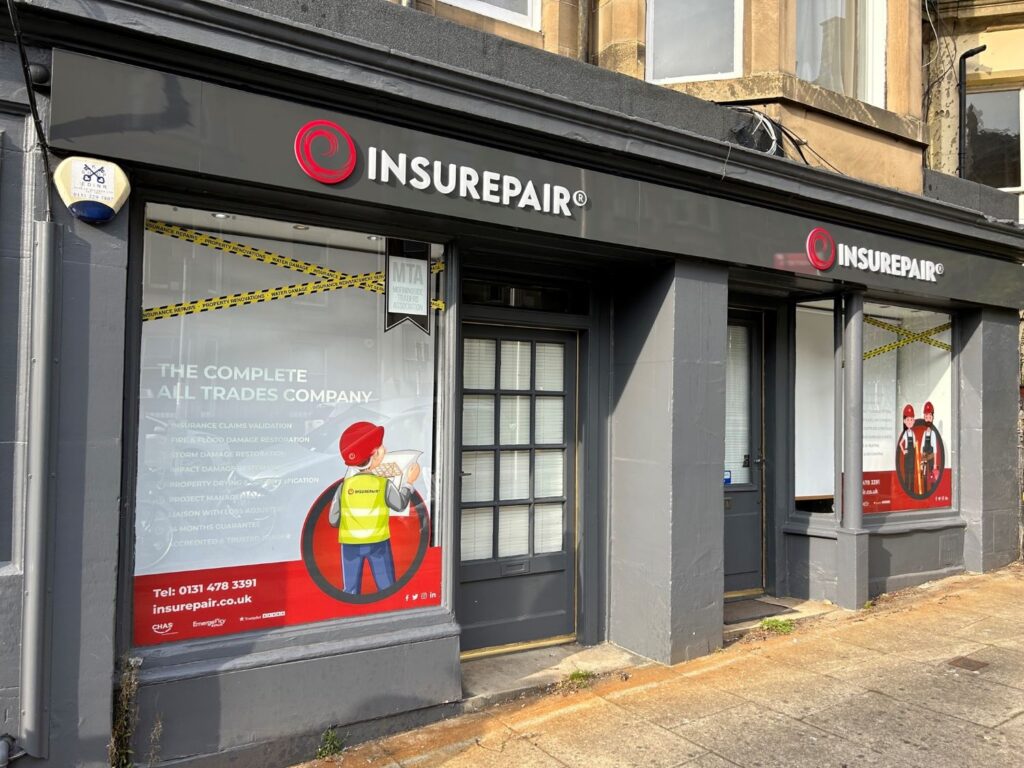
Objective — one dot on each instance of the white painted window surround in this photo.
(522, 13)
(694, 40)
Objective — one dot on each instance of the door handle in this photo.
(759, 460)
(465, 474)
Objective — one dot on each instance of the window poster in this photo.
(907, 409)
(285, 459)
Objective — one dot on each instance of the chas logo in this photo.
(164, 629)
(823, 252)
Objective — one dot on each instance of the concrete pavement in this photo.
(930, 677)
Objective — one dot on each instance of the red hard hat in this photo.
(929, 408)
(908, 411)
(359, 441)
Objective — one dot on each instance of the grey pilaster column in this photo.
(666, 522)
(852, 539)
(988, 477)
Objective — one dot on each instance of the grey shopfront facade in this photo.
(644, 255)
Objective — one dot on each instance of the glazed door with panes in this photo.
(744, 458)
(517, 537)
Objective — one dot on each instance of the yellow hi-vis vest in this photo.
(364, 512)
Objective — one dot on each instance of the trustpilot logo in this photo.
(823, 252)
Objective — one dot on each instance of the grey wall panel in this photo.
(989, 402)
(899, 560)
(641, 464)
(811, 563)
(86, 500)
(698, 455)
(238, 709)
(668, 421)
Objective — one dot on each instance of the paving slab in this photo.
(939, 688)
(848, 689)
(750, 736)
(916, 736)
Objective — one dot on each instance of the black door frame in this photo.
(593, 396)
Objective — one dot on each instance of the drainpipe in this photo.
(35, 640)
(961, 88)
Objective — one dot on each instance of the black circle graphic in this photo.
(333, 590)
(905, 482)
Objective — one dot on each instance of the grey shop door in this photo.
(744, 458)
(517, 515)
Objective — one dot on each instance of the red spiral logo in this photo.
(821, 249)
(333, 134)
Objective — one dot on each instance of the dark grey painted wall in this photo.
(989, 401)
(667, 451)
(21, 202)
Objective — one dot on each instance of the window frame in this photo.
(1019, 189)
(876, 76)
(737, 50)
(194, 657)
(530, 20)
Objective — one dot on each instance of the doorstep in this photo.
(742, 616)
(494, 679)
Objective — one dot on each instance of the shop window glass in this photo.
(694, 40)
(737, 406)
(523, 13)
(908, 407)
(814, 398)
(284, 436)
(840, 45)
(993, 138)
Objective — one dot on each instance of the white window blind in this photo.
(550, 420)
(515, 365)
(477, 420)
(548, 473)
(515, 420)
(478, 364)
(550, 367)
(737, 404)
(547, 528)
(477, 476)
(477, 534)
(514, 479)
(513, 531)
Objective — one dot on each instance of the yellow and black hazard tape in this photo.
(906, 337)
(250, 297)
(333, 279)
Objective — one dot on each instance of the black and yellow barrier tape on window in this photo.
(333, 280)
(906, 337)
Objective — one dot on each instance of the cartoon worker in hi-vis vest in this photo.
(361, 509)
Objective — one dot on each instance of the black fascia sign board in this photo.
(189, 125)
